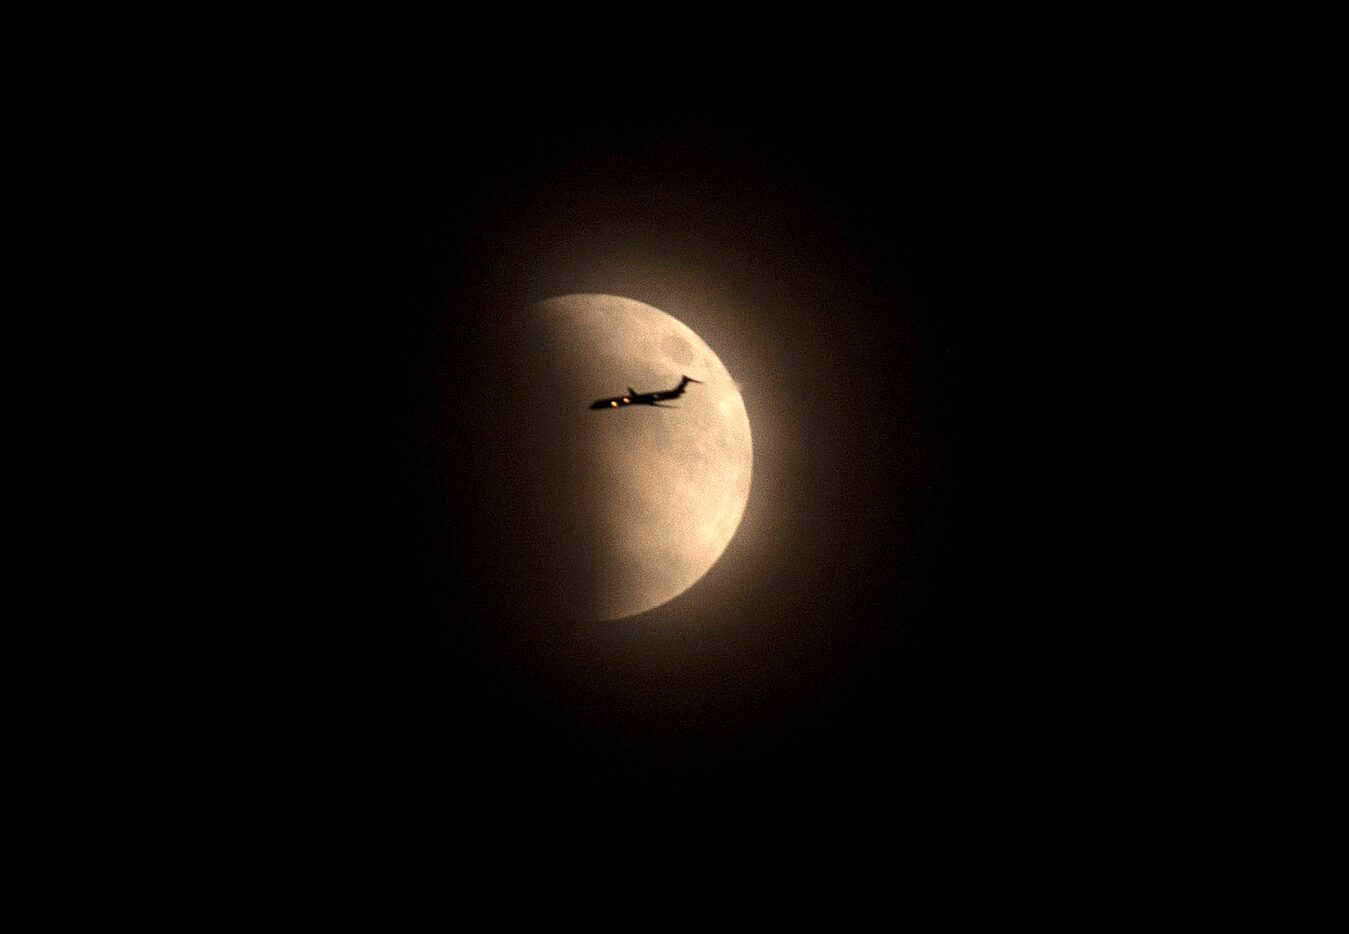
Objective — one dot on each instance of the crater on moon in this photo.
(677, 349)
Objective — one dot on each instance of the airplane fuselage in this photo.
(643, 398)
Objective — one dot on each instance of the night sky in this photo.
(863, 258)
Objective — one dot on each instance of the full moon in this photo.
(613, 512)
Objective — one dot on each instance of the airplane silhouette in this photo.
(645, 398)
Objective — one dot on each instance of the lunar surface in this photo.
(610, 513)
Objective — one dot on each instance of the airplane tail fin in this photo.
(685, 381)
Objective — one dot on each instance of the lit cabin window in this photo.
(615, 404)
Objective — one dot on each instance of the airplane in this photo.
(645, 398)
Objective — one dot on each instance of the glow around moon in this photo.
(629, 507)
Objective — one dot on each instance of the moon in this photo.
(611, 513)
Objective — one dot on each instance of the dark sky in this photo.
(866, 259)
